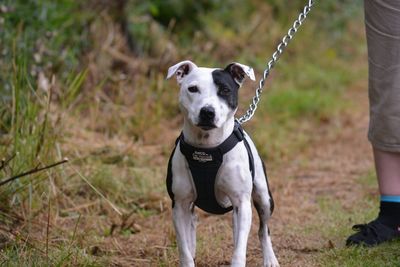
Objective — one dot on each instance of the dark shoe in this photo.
(372, 234)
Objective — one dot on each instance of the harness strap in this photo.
(251, 158)
(236, 136)
(204, 164)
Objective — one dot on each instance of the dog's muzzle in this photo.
(206, 118)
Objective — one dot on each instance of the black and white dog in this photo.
(215, 165)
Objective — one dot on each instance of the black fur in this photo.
(228, 89)
(271, 200)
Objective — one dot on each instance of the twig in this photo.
(34, 170)
(4, 162)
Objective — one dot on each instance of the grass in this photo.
(70, 86)
(29, 256)
(386, 255)
(336, 227)
(36, 45)
(307, 85)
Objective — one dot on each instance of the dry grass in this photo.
(116, 119)
(327, 170)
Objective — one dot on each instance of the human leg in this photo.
(386, 226)
(387, 166)
(382, 20)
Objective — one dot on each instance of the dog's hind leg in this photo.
(264, 206)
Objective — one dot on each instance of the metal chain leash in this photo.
(275, 56)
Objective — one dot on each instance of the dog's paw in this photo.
(272, 263)
(186, 262)
(238, 264)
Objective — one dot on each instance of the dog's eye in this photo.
(224, 91)
(193, 89)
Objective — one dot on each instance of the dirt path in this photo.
(336, 157)
(330, 167)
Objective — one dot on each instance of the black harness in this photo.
(204, 164)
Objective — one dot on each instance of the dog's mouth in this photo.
(206, 126)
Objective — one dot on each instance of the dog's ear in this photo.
(181, 69)
(239, 71)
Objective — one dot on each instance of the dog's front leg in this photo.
(185, 232)
(242, 225)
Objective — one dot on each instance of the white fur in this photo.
(233, 184)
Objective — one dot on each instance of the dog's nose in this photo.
(207, 113)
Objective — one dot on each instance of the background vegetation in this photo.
(86, 80)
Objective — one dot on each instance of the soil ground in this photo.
(328, 168)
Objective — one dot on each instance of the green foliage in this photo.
(335, 15)
(182, 11)
(386, 255)
(40, 38)
(44, 33)
(74, 86)
(292, 103)
(25, 128)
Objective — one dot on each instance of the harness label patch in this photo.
(201, 156)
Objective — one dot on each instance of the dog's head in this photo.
(209, 97)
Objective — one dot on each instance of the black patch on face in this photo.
(227, 87)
